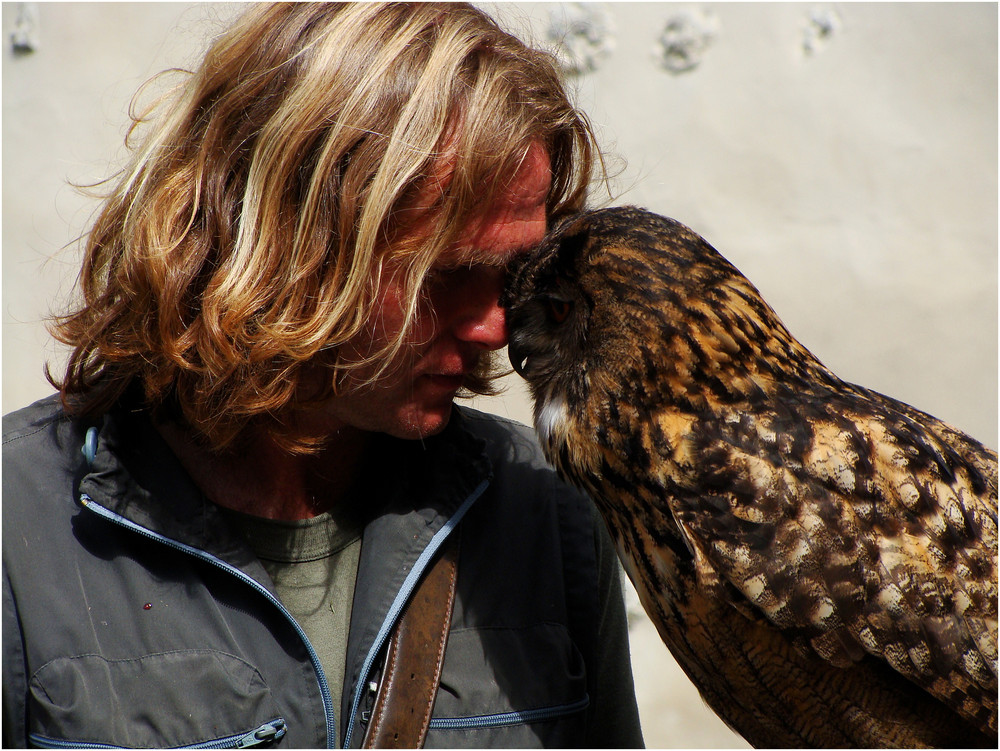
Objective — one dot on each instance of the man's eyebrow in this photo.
(473, 257)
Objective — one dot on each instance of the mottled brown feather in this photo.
(820, 558)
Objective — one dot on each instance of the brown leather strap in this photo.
(412, 671)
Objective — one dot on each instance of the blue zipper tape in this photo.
(409, 584)
(331, 728)
(269, 732)
(517, 717)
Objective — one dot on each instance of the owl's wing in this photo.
(858, 530)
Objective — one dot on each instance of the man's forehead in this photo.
(509, 225)
(533, 178)
(529, 184)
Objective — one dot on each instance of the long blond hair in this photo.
(249, 235)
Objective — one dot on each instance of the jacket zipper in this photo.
(88, 503)
(522, 717)
(269, 732)
(399, 603)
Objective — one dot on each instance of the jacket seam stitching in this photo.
(123, 660)
(38, 429)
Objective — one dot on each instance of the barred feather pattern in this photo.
(819, 558)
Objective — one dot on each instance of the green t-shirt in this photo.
(314, 565)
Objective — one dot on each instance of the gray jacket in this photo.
(134, 616)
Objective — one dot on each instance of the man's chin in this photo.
(423, 423)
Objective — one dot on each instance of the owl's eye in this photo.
(558, 310)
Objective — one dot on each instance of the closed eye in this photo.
(558, 309)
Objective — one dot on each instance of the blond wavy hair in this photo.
(248, 237)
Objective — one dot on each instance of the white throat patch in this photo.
(550, 420)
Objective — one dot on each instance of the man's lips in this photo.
(450, 371)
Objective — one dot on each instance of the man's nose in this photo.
(482, 321)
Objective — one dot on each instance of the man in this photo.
(255, 485)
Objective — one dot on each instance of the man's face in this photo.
(459, 321)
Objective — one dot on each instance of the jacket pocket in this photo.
(511, 687)
(187, 698)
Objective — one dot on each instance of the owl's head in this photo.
(622, 306)
(587, 311)
(596, 286)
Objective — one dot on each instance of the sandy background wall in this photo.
(843, 156)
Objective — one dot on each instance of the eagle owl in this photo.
(819, 558)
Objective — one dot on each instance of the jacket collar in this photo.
(134, 474)
(421, 483)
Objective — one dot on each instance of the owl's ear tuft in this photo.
(562, 258)
(572, 247)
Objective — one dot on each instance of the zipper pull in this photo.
(89, 449)
(370, 697)
(269, 732)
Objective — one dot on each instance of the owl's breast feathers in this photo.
(719, 449)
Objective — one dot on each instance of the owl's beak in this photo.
(518, 359)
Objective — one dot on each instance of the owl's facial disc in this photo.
(555, 311)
